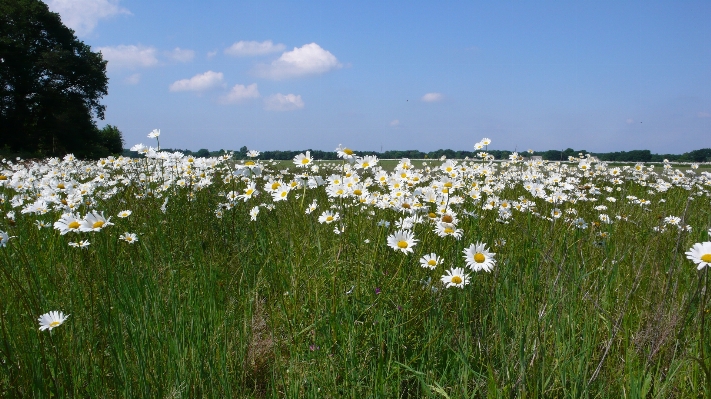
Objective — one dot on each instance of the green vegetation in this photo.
(207, 302)
(50, 87)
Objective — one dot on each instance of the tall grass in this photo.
(207, 306)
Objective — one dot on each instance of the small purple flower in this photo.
(313, 348)
(377, 290)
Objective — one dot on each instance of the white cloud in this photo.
(211, 54)
(180, 55)
(395, 122)
(283, 102)
(200, 82)
(246, 49)
(240, 93)
(83, 15)
(703, 115)
(133, 79)
(129, 57)
(432, 97)
(309, 59)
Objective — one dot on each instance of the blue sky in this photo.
(600, 76)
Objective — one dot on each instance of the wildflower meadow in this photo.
(167, 276)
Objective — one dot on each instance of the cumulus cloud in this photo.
(133, 79)
(283, 102)
(240, 93)
(247, 49)
(180, 55)
(129, 57)
(703, 115)
(309, 59)
(200, 82)
(432, 97)
(395, 122)
(83, 15)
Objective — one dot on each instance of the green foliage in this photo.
(50, 84)
(111, 138)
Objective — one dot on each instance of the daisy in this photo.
(253, 213)
(479, 258)
(328, 217)
(154, 134)
(402, 240)
(345, 153)
(455, 278)
(51, 320)
(280, 193)
(68, 222)
(94, 221)
(4, 238)
(430, 261)
(124, 214)
(302, 160)
(83, 244)
(128, 237)
(700, 254)
(447, 229)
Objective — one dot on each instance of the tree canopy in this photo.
(50, 84)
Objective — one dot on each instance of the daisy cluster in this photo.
(434, 198)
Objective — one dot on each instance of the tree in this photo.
(50, 84)
(110, 137)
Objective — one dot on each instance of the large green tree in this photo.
(50, 84)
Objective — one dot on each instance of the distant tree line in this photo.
(702, 155)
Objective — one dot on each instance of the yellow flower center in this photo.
(448, 230)
(448, 184)
(402, 244)
(275, 185)
(248, 163)
(3, 177)
(432, 263)
(357, 192)
(457, 280)
(329, 218)
(304, 161)
(54, 324)
(447, 218)
(706, 258)
(73, 225)
(348, 151)
(284, 193)
(249, 191)
(60, 186)
(479, 257)
(97, 224)
(431, 215)
(365, 164)
(406, 205)
(129, 238)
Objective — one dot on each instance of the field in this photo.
(208, 277)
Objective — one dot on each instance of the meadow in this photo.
(208, 277)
